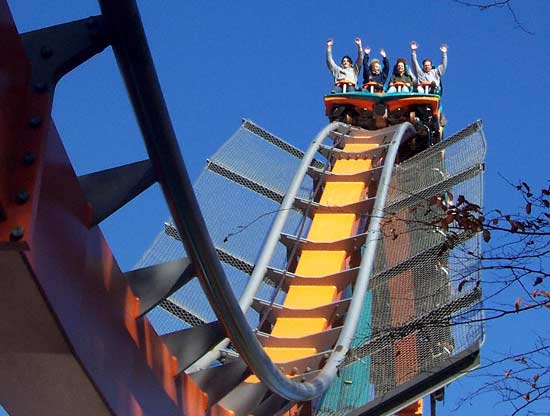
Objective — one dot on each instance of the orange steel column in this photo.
(71, 341)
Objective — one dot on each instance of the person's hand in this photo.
(367, 50)
(358, 41)
(329, 42)
(383, 53)
(443, 48)
(414, 45)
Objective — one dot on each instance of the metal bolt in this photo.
(46, 52)
(17, 233)
(29, 158)
(294, 371)
(35, 121)
(21, 197)
(308, 369)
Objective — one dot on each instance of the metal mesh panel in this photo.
(426, 281)
(267, 136)
(192, 298)
(243, 181)
(167, 320)
(236, 217)
(187, 318)
(239, 193)
(448, 158)
(165, 248)
(467, 325)
(264, 134)
(260, 161)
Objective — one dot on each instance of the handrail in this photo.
(137, 67)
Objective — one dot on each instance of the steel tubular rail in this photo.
(260, 267)
(136, 65)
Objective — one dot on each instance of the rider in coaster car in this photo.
(401, 74)
(345, 76)
(374, 72)
(429, 74)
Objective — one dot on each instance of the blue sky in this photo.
(221, 61)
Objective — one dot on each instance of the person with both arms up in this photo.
(345, 76)
(428, 74)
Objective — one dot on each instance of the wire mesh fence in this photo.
(239, 193)
(425, 294)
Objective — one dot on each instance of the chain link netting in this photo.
(239, 193)
(424, 296)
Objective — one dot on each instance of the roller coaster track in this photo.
(184, 209)
(342, 187)
(295, 355)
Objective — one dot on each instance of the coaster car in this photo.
(375, 110)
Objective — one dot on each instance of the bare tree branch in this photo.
(494, 4)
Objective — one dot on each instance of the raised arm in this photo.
(359, 60)
(443, 67)
(415, 67)
(410, 74)
(385, 62)
(333, 68)
(366, 69)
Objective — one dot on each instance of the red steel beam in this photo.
(70, 342)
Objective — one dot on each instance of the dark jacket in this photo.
(381, 78)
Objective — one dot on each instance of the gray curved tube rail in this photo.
(323, 380)
(136, 65)
(260, 267)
